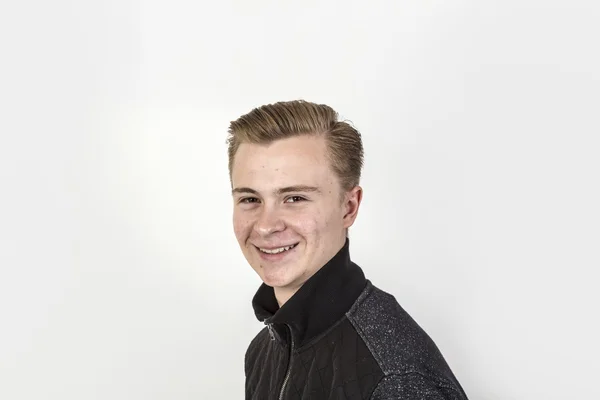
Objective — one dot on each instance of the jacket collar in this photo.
(321, 301)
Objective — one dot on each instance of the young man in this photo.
(330, 334)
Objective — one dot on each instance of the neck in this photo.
(283, 295)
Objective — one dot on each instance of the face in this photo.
(290, 213)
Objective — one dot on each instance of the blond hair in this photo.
(282, 120)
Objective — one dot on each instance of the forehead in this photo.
(296, 160)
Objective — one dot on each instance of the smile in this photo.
(277, 250)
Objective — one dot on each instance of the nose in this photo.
(268, 222)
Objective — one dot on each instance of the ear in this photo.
(352, 201)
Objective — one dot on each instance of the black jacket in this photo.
(339, 337)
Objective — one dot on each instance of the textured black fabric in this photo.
(336, 365)
(265, 366)
(342, 338)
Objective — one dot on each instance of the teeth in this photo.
(275, 251)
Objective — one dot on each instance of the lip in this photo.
(278, 256)
(274, 247)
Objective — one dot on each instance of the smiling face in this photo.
(290, 213)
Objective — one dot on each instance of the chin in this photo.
(275, 280)
(279, 279)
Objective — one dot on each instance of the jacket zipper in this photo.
(270, 328)
(289, 368)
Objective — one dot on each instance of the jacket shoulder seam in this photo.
(436, 380)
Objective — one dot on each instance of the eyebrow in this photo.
(280, 191)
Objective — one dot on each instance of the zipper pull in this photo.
(270, 328)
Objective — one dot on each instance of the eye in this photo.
(248, 200)
(294, 199)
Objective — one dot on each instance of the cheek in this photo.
(241, 224)
(307, 223)
(328, 220)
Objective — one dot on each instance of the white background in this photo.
(120, 277)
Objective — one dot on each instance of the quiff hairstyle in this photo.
(282, 120)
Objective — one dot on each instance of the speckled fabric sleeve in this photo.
(412, 386)
(412, 364)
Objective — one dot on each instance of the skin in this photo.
(284, 193)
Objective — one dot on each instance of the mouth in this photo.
(276, 250)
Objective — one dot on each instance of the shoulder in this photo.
(394, 337)
(400, 346)
(415, 386)
(259, 341)
(256, 346)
